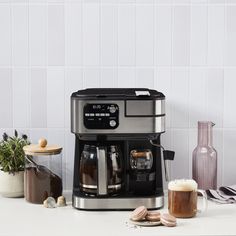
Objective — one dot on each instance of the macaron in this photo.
(153, 216)
(168, 220)
(139, 213)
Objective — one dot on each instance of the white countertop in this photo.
(17, 217)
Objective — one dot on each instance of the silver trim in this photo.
(102, 171)
(117, 186)
(89, 186)
(145, 107)
(127, 125)
(117, 203)
(167, 170)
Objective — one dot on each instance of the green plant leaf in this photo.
(12, 153)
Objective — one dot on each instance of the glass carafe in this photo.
(114, 167)
(142, 174)
(141, 159)
(89, 169)
(204, 166)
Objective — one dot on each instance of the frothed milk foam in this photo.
(182, 185)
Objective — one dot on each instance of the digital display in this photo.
(96, 106)
(101, 116)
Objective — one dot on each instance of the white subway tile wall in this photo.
(20, 34)
(184, 48)
(37, 35)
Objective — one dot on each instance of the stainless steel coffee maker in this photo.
(118, 162)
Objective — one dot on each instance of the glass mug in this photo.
(182, 198)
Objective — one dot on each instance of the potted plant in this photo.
(12, 165)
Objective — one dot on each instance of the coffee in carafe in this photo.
(88, 169)
(90, 164)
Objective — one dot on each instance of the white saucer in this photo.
(146, 223)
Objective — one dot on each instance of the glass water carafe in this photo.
(204, 166)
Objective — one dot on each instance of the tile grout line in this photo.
(121, 66)
(28, 71)
(82, 42)
(189, 86)
(11, 74)
(223, 133)
(100, 41)
(114, 42)
(47, 62)
(153, 41)
(171, 80)
(135, 43)
(155, 74)
(206, 60)
(125, 3)
(64, 157)
(47, 67)
(116, 37)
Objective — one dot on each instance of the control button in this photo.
(97, 114)
(91, 114)
(86, 114)
(107, 114)
(112, 109)
(102, 114)
(112, 123)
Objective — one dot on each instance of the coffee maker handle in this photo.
(102, 171)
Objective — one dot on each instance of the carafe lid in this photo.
(42, 149)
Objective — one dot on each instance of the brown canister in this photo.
(43, 171)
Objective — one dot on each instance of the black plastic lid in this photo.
(118, 93)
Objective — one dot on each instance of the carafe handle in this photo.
(102, 171)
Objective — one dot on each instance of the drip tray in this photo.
(82, 203)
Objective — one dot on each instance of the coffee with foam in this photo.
(182, 185)
(182, 198)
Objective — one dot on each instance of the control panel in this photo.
(101, 116)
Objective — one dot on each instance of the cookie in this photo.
(153, 216)
(139, 213)
(168, 220)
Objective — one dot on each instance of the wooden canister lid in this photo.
(42, 149)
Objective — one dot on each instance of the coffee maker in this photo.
(117, 164)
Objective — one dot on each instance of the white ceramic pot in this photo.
(12, 185)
